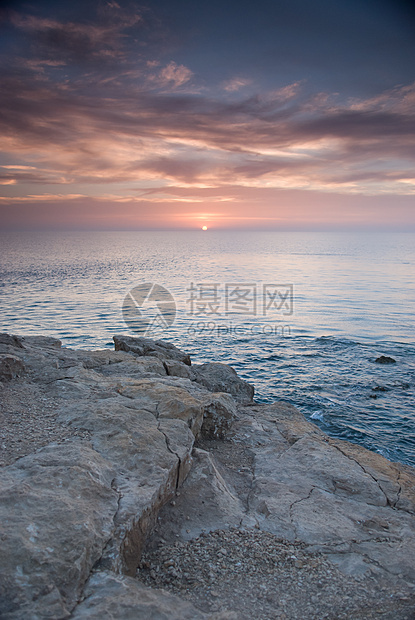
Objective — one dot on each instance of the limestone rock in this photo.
(145, 346)
(219, 412)
(165, 401)
(178, 369)
(207, 502)
(328, 493)
(75, 515)
(282, 475)
(41, 342)
(222, 378)
(149, 459)
(203, 412)
(93, 502)
(110, 596)
(103, 357)
(57, 509)
(10, 341)
(136, 367)
(11, 366)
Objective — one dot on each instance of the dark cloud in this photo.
(203, 136)
(360, 125)
(76, 42)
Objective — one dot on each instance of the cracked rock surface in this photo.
(242, 510)
(108, 450)
(281, 521)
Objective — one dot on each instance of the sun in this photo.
(204, 227)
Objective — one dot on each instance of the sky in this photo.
(265, 114)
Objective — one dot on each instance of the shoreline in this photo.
(145, 435)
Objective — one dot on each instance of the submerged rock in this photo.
(384, 359)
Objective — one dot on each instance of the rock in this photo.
(41, 341)
(328, 493)
(384, 359)
(76, 514)
(110, 596)
(326, 502)
(149, 456)
(57, 509)
(165, 401)
(11, 341)
(219, 412)
(206, 502)
(202, 411)
(145, 346)
(217, 377)
(178, 369)
(103, 357)
(11, 367)
(93, 502)
(136, 367)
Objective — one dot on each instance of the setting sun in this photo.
(204, 227)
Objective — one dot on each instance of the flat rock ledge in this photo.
(137, 485)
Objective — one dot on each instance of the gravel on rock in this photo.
(260, 576)
(28, 420)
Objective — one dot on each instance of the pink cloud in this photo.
(236, 84)
(148, 137)
(173, 75)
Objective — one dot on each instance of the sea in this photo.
(301, 316)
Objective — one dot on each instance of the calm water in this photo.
(302, 316)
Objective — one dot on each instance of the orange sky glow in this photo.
(99, 133)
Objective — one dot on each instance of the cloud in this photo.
(236, 84)
(149, 124)
(400, 99)
(173, 75)
(185, 138)
(57, 42)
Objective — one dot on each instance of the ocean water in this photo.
(302, 316)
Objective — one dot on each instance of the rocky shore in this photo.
(137, 485)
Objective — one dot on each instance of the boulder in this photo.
(11, 366)
(110, 596)
(219, 412)
(217, 377)
(174, 368)
(146, 346)
(43, 342)
(204, 413)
